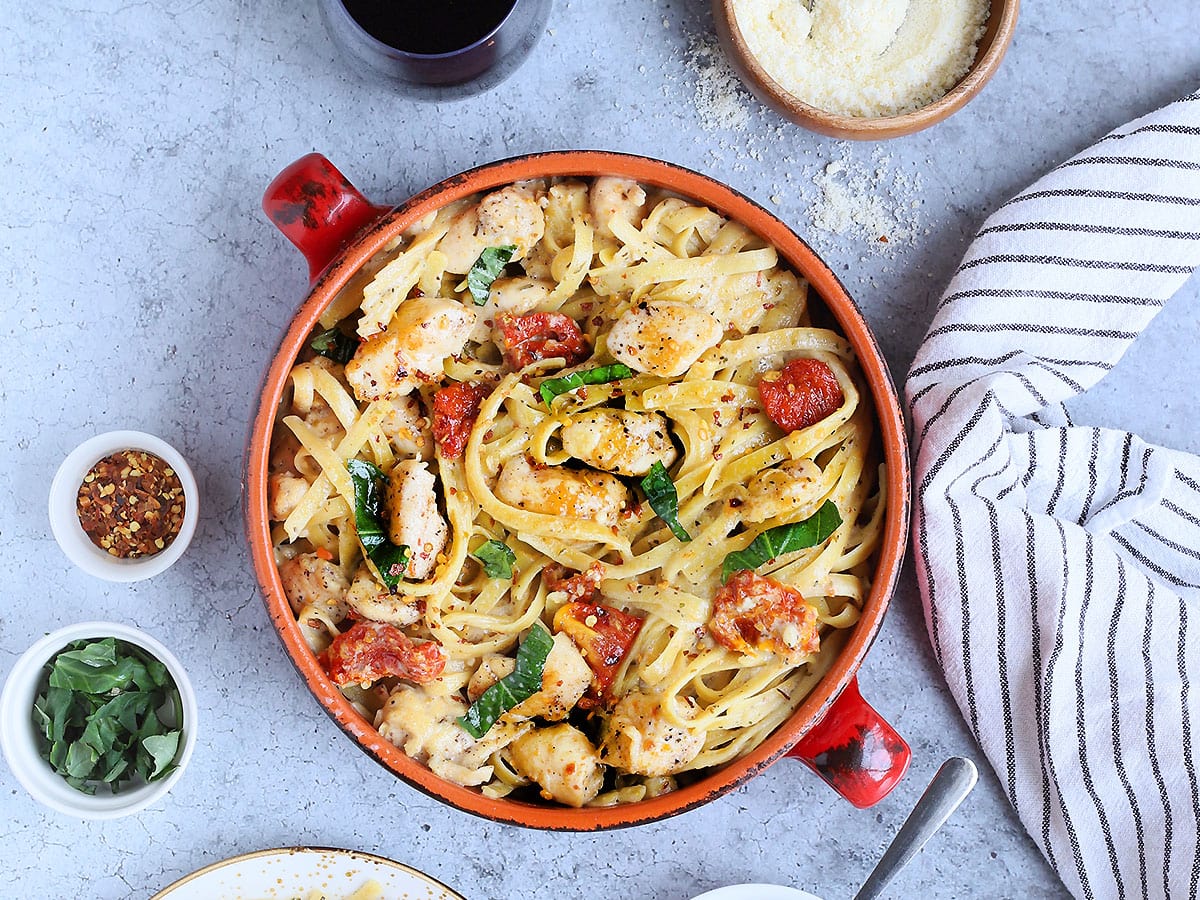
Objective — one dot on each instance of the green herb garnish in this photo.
(101, 716)
(660, 491)
(389, 559)
(552, 387)
(521, 684)
(775, 542)
(497, 559)
(487, 269)
(335, 344)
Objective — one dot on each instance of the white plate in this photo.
(756, 892)
(295, 871)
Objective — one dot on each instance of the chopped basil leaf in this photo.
(98, 717)
(487, 269)
(389, 559)
(775, 542)
(335, 344)
(660, 491)
(552, 387)
(497, 559)
(521, 684)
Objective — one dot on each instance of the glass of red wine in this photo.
(437, 49)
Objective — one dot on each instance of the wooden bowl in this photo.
(834, 730)
(1001, 23)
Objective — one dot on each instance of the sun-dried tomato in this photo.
(373, 650)
(455, 409)
(539, 336)
(580, 586)
(802, 393)
(752, 613)
(604, 636)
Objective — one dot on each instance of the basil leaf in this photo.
(521, 684)
(497, 559)
(552, 387)
(162, 749)
(335, 344)
(775, 542)
(97, 654)
(74, 674)
(389, 559)
(660, 492)
(487, 269)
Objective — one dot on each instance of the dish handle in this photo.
(318, 209)
(854, 750)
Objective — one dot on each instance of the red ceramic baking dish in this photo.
(834, 731)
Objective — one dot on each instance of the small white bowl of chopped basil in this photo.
(97, 720)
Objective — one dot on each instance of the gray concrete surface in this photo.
(143, 288)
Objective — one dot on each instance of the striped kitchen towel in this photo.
(1060, 564)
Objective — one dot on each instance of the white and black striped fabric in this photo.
(1060, 564)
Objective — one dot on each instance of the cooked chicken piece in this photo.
(490, 670)
(663, 337)
(424, 331)
(324, 421)
(509, 216)
(371, 600)
(775, 491)
(423, 726)
(284, 493)
(640, 739)
(562, 761)
(514, 296)
(616, 198)
(377, 369)
(413, 517)
(565, 678)
(309, 580)
(555, 491)
(618, 440)
(407, 428)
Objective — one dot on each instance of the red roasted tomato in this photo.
(455, 409)
(603, 635)
(580, 586)
(373, 650)
(538, 336)
(752, 613)
(800, 394)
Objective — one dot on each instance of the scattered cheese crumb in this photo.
(720, 94)
(872, 202)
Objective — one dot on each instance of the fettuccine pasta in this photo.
(598, 412)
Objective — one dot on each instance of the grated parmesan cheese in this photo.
(866, 58)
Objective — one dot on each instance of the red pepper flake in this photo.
(131, 504)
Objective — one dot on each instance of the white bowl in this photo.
(64, 519)
(19, 734)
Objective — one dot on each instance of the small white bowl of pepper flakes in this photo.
(123, 505)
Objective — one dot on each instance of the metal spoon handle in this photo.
(946, 791)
